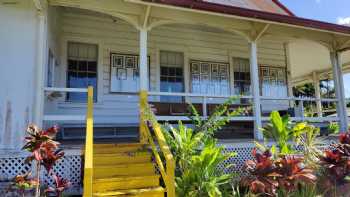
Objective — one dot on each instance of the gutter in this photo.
(250, 14)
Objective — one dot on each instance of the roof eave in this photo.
(254, 14)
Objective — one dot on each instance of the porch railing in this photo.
(167, 172)
(88, 163)
(204, 101)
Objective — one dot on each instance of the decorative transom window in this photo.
(82, 70)
(124, 73)
(273, 81)
(210, 78)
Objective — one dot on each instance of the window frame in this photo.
(95, 96)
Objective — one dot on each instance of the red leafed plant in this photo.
(262, 175)
(23, 183)
(267, 175)
(44, 152)
(292, 172)
(60, 185)
(336, 161)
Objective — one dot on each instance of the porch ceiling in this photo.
(309, 41)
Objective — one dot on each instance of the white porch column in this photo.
(254, 75)
(339, 90)
(316, 82)
(143, 61)
(143, 81)
(40, 68)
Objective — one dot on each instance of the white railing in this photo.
(204, 98)
(64, 117)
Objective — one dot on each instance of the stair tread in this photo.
(124, 178)
(130, 191)
(123, 165)
(119, 154)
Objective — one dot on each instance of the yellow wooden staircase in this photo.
(124, 170)
(127, 169)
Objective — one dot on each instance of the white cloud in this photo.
(318, 1)
(343, 21)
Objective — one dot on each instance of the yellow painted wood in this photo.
(124, 170)
(143, 105)
(123, 183)
(168, 174)
(88, 164)
(149, 192)
(118, 148)
(121, 158)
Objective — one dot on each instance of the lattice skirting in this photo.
(71, 166)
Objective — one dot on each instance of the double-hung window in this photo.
(241, 69)
(81, 70)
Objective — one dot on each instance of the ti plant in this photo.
(269, 177)
(336, 161)
(44, 152)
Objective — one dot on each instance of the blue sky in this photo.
(334, 11)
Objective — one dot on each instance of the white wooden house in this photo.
(177, 51)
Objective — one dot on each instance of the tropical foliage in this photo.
(197, 154)
(44, 152)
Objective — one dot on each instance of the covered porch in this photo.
(172, 57)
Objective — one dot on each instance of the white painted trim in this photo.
(185, 118)
(254, 75)
(54, 89)
(194, 95)
(40, 68)
(339, 90)
(64, 118)
(316, 82)
(144, 77)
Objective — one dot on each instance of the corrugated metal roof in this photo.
(261, 5)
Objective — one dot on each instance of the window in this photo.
(82, 70)
(50, 70)
(273, 81)
(241, 69)
(125, 73)
(171, 74)
(210, 78)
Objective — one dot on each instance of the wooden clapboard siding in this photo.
(119, 37)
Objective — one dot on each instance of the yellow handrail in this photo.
(167, 174)
(89, 142)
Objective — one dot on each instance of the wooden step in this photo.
(121, 158)
(146, 192)
(137, 169)
(123, 183)
(118, 148)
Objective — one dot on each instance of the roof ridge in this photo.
(283, 7)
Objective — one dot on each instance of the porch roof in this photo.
(254, 14)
